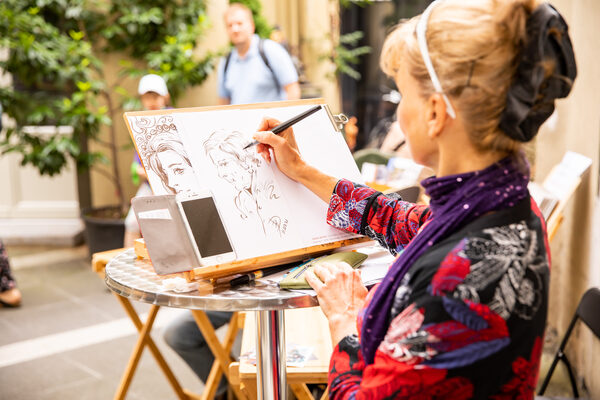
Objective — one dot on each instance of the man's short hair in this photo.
(241, 7)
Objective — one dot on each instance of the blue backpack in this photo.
(261, 51)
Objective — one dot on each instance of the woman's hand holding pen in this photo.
(285, 149)
(341, 296)
(288, 159)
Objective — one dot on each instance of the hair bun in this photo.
(545, 72)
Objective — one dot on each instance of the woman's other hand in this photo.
(341, 296)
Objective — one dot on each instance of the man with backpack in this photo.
(256, 70)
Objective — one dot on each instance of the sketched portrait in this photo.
(238, 167)
(161, 151)
(168, 160)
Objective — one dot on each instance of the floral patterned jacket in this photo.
(467, 320)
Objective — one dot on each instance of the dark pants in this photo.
(7, 281)
(184, 336)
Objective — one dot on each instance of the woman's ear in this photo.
(436, 115)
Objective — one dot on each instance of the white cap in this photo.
(152, 83)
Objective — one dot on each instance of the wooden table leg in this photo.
(220, 352)
(301, 391)
(325, 395)
(214, 377)
(250, 388)
(145, 339)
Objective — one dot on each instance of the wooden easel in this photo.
(250, 264)
(221, 350)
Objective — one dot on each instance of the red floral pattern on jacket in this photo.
(392, 222)
(469, 316)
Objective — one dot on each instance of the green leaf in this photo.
(76, 35)
(122, 91)
(84, 86)
(105, 120)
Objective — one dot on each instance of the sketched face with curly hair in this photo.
(234, 165)
(239, 168)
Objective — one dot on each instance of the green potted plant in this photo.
(55, 57)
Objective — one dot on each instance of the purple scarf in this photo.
(456, 200)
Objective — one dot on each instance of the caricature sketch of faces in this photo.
(234, 165)
(238, 167)
(169, 161)
(231, 169)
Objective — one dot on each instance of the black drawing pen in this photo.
(284, 125)
(252, 276)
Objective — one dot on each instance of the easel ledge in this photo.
(252, 264)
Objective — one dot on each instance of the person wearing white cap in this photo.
(153, 92)
(154, 95)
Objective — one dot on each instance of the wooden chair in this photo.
(220, 349)
(303, 327)
(99, 260)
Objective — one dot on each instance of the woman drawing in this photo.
(462, 310)
(238, 167)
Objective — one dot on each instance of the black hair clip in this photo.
(546, 72)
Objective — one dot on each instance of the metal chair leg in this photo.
(560, 355)
(571, 376)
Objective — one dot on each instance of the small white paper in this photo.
(576, 163)
(161, 213)
(297, 355)
(369, 172)
(179, 285)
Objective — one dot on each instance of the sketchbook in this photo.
(187, 150)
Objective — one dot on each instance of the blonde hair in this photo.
(239, 7)
(475, 49)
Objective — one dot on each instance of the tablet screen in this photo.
(206, 226)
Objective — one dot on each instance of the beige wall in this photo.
(306, 25)
(103, 191)
(25, 194)
(575, 259)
